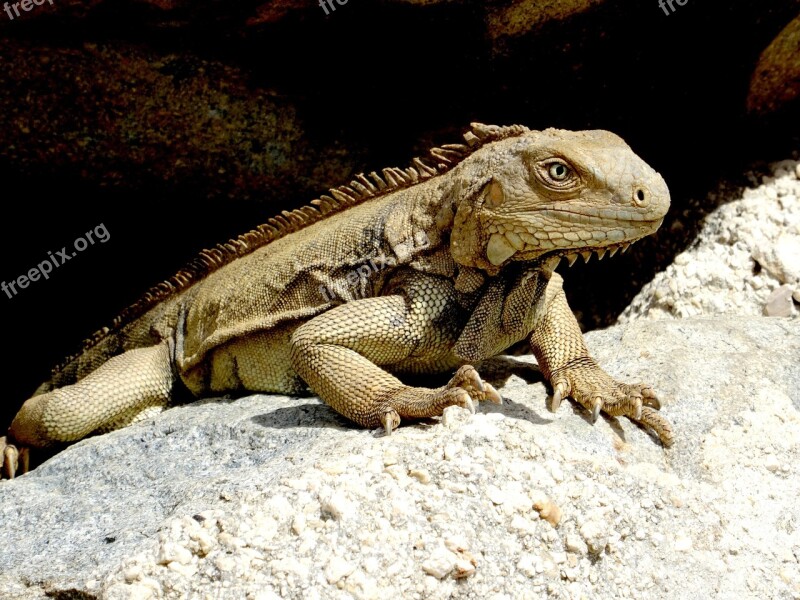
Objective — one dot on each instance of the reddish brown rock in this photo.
(776, 79)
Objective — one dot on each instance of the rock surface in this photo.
(131, 116)
(266, 497)
(776, 79)
(746, 259)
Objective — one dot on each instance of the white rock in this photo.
(527, 566)
(337, 569)
(289, 565)
(729, 487)
(454, 417)
(440, 563)
(746, 249)
(172, 551)
(779, 303)
(595, 535)
(495, 494)
(575, 544)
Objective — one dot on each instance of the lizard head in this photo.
(550, 194)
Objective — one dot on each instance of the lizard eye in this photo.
(558, 171)
(557, 174)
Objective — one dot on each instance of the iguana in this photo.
(419, 270)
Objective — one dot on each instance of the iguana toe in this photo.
(637, 408)
(467, 378)
(656, 421)
(452, 397)
(465, 389)
(649, 398)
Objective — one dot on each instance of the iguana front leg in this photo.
(562, 355)
(338, 352)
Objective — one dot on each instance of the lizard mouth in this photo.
(571, 255)
(500, 249)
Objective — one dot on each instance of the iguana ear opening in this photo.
(494, 193)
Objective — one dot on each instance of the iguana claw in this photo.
(560, 392)
(637, 408)
(13, 460)
(492, 394)
(597, 406)
(649, 398)
(390, 420)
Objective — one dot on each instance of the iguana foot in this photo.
(598, 392)
(464, 389)
(13, 460)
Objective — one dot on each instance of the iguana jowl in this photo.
(467, 241)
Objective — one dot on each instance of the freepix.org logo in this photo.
(25, 5)
(44, 268)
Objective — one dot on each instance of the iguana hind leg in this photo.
(338, 353)
(122, 390)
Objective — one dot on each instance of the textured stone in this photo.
(776, 78)
(780, 303)
(174, 120)
(746, 259)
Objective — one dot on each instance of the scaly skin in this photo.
(421, 270)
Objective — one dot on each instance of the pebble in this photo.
(337, 569)
(549, 511)
(390, 456)
(772, 463)
(575, 544)
(174, 552)
(779, 303)
(454, 417)
(495, 494)
(289, 565)
(299, 524)
(596, 536)
(440, 563)
(421, 475)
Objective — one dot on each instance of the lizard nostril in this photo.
(640, 197)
